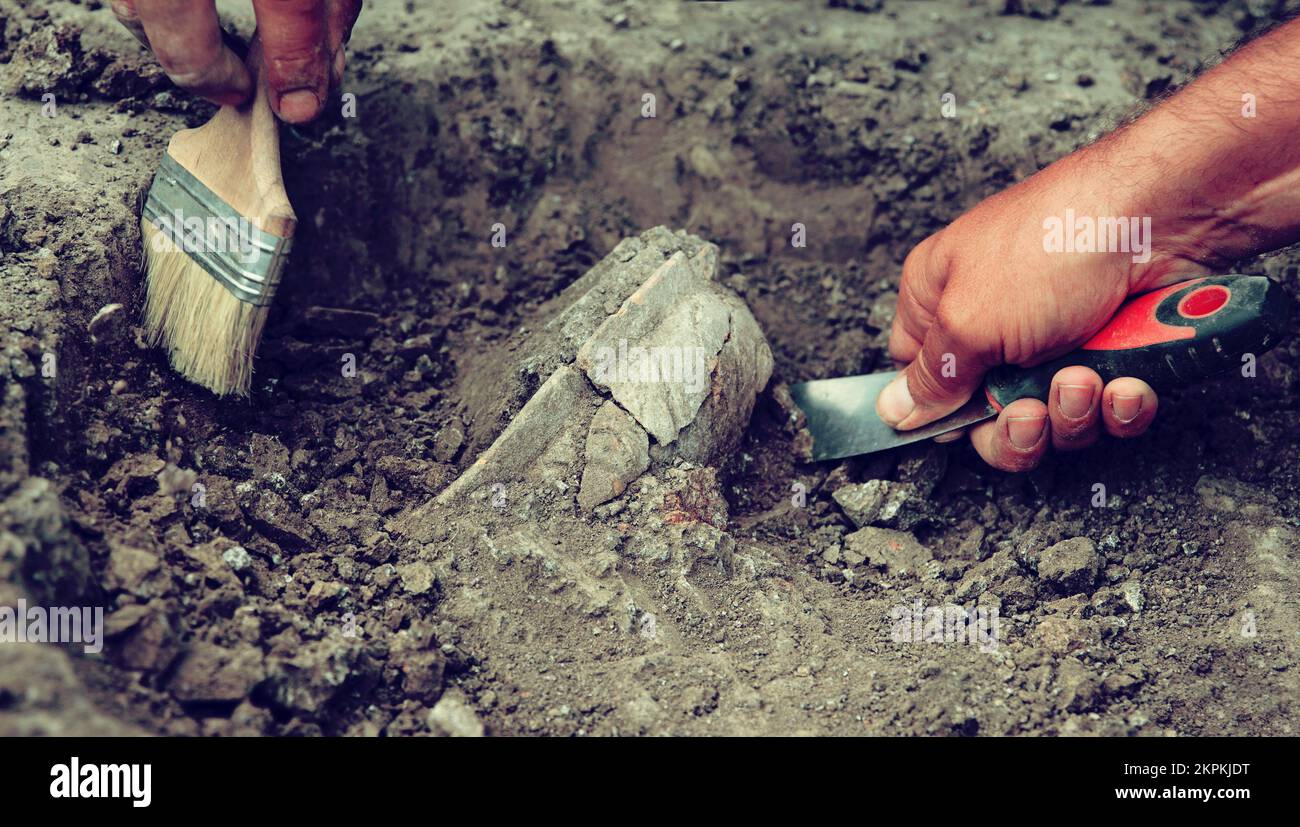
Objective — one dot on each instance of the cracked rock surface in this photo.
(676, 359)
(618, 451)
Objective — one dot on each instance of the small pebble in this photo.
(105, 322)
(237, 557)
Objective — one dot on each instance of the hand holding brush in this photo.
(217, 228)
(217, 224)
(302, 42)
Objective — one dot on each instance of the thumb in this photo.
(294, 50)
(946, 371)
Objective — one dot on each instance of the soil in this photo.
(266, 565)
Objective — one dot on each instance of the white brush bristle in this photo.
(210, 335)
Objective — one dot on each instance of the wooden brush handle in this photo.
(237, 155)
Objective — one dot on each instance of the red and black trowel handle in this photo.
(1173, 336)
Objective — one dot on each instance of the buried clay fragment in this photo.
(618, 451)
(673, 359)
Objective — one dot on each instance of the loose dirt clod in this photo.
(882, 502)
(1070, 566)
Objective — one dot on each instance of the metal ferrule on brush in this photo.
(232, 249)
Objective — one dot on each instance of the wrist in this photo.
(1188, 232)
(1123, 211)
(1211, 201)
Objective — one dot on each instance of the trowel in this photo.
(1169, 337)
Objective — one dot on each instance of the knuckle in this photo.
(1015, 461)
(911, 315)
(291, 6)
(952, 319)
(292, 30)
(295, 64)
(924, 382)
(912, 265)
(186, 69)
(1065, 440)
(951, 361)
(922, 256)
(901, 346)
(920, 276)
(293, 56)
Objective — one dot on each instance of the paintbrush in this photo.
(217, 228)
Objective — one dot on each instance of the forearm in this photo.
(1217, 166)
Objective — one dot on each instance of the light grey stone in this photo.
(654, 354)
(654, 343)
(884, 503)
(542, 441)
(417, 578)
(741, 371)
(618, 451)
(237, 557)
(453, 717)
(897, 552)
(684, 356)
(506, 376)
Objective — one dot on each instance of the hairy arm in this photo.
(1217, 165)
(1213, 172)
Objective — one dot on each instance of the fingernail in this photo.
(299, 105)
(1076, 400)
(895, 401)
(1126, 408)
(1026, 430)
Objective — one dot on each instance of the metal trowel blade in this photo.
(841, 415)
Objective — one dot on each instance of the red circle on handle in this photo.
(1204, 301)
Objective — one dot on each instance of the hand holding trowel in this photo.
(1180, 193)
(1173, 336)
